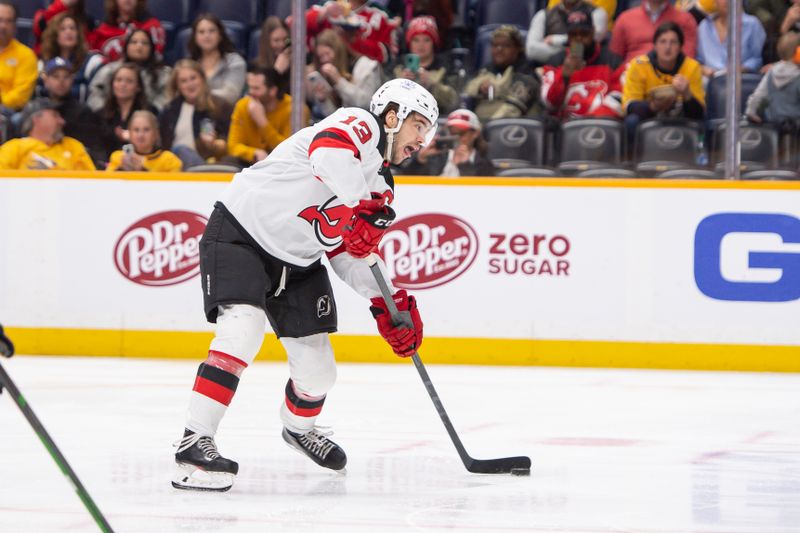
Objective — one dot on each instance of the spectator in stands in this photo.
(422, 38)
(338, 78)
(442, 10)
(664, 82)
(18, 69)
(712, 41)
(213, 50)
(547, 34)
(80, 122)
(76, 8)
(262, 119)
(777, 97)
(461, 153)
(771, 14)
(506, 88)
(64, 39)
(144, 152)
(791, 21)
(126, 95)
(588, 84)
(609, 6)
(45, 147)
(367, 30)
(634, 29)
(274, 49)
(122, 17)
(194, 125)
(139, 50)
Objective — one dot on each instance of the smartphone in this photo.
(446, 142)
(287, 44)
(207, 126)
(576, 49)
(127, 149)
(412, 62)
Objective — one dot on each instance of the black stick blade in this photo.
(499, 466)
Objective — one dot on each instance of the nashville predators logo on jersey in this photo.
(328, 221)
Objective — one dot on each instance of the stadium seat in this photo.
(760, 146)
(238, 34)
(690, 174)
(528, 172)
(663, 145)
(96, 9)
(245, 12)
(27, 8)
(609, 172)
(252, 44)
(516, 142)
(519, 12)
(177, 12)
(772, 175)
(283, 8)
(483, 41)
(25, 31)
(716, 95)
(590, 143)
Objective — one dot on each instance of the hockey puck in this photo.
(520, 471)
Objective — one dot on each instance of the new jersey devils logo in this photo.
(328, 222)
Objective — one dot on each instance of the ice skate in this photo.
(200, 466)
(318, 447)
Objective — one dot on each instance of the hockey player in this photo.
(324, 190)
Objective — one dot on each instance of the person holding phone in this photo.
(587, 84)
(422, 64)
(460, 151)
(144, 152)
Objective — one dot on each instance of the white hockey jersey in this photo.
(296, 202)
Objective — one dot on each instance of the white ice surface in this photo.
(613, 451)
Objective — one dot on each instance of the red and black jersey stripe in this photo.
(300, 406)
(333, 138)
(215, 383)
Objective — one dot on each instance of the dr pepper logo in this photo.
(428, 250)
(161, 249)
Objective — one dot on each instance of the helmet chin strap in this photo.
(390, 134)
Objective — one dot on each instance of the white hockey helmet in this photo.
(409, 96)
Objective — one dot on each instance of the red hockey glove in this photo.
(403, 340)
(371, 218)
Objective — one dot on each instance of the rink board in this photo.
(568, 272)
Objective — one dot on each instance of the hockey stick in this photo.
(55, 453)
(504, 465)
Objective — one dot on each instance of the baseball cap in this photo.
(31, 108)
(463, 119)
(579, 21)
(57, 63)
(424, 25)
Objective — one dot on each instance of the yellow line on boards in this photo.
(437, 350)
(624, 183)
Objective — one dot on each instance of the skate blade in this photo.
(190, 477)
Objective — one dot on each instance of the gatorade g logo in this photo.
(328, 222)
(750, 257)
(161, 249)
(428, 250)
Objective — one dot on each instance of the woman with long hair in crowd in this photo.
(144, 152)
(194, 125)
(139, 49)
(64, 38)
(122, 17)
(338, 78)
(274, 48)
(224, 69)
(76, 8)
(126, 95)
